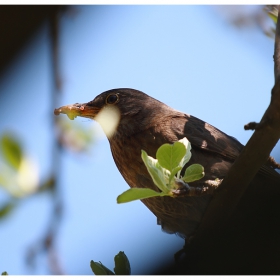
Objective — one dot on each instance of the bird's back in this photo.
(176, 215)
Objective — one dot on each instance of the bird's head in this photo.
(123, 107)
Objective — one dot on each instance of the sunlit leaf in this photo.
(137, 193)
(272, 13)
(11, 150)
(187, 155)
(193, 173)
(99, 269)
(170, 161)
(157, 172)
(28, 176)
(122, 265)
(170, 155)
(3, 179)
(273, 17)
(21, 182)
(8, 179)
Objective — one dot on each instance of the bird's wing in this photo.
(206, 137)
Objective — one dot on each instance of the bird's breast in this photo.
(175, 215)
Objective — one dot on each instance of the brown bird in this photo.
(144, 123)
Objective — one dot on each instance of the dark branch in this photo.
(249, 161)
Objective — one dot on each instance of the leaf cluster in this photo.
(165, 171)
(122, 266)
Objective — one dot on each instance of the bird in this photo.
(142, 122)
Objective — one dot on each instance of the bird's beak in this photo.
(78, 110)
(108, 116)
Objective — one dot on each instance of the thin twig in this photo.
(277, 51)
(251, 126)
(47, 242)
(57, 200)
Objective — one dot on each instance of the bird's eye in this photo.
(112, 98)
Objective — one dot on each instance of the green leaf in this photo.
(5, 273)
(11, 150)
(99, 269)
(193, 173)
(137, 193)
(122, 265)
(273, 17)
(6, 209)
(188, 153)
(170, 155)
(158, 173)
(273, 13)
(174, 172)
(3, 180)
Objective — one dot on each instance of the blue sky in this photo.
(186, 56)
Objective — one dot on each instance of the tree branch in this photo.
(253, 156)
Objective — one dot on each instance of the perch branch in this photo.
(249, 161)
